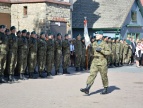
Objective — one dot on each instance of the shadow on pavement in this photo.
(110, 90)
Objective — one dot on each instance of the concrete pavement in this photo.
(125, 91)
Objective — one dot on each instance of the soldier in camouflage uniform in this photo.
(58, 53)
(12, 53)
(109, 58)
(99, 63)
(41, 54)
(117, 52)
(83, 54)
(113, 52)
(66, 54)
(78, 52)
(7, 32)
(129, 54)
(32, 54)
(22, 54)
(49, 54)
(3, 52)
(125, 52)
(121, 52)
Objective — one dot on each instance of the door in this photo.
(5, 19)
(58, 27)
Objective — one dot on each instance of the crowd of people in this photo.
(21, 52)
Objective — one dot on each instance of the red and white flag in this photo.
(86, 36)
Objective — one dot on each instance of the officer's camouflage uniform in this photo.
(78, 53)
(32, 55)
(113, 52)
(49, 55)
(66, 54)
(12, 53)
(109, 58)
(3, 52)
(41, 55)
(83, 56)
(58, 54)
(117, 53)
(121, 53)
(99, 63)
(22, 54)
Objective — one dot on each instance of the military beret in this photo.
(28, 33)
(2, 26)
(104, 37)
(24, 31)
(99, 32)
(93, 37)
(112, 38)
(12, 28)
(18, 32)
(42, 33)
(128, 42)
(59, 34)
(109, 37)
(66, 35)
(7, 30)
(82, 38)
(33, 32)
(78, 35)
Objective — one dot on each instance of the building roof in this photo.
(104, 13)
(35, 1)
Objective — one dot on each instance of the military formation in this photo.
(22, 52)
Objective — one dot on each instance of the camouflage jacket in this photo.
(117, 48)
(32, 45)
(113, 48)
(13, 42)
(78, 47)
(66, 47)
(41, 47)
(58, 45)
(3, 43)
(100, 57)
(50, 46)
(23, 43)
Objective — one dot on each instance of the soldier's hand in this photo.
(98, 49)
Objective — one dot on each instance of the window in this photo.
(25, 11)
(134, 35)
(134, 16)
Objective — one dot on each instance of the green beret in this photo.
(66, 35)
(82, 38)
(42, 33)
(18, 32)
(28, 33)
(112, 38)
(59, 34)
(7, 30)
(109, 37)
(104, 37)
(99, 32)
(33, 32)
(24, 31)
(12, 28)
(2, 26)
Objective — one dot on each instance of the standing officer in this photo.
(3, 52)
(32, 54)
(117, 52)
(49, 54)
(121, 52)
(22, 54)
(99, 63)
(109, 58)
(82, 64)
(78, 52)
(66, 54)
(58, 53)
(7, 32)
(41, 55)
(113, 52)
(12, 53)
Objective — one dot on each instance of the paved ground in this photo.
(125, 91)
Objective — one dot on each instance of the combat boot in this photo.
(22, 77)
(31, 74)
(49, 74)
(81, 68)
(76, 69)
(2, 80)
(57, 72)
(105, 90)
(10, 79)
(65, 71)
(86, 90)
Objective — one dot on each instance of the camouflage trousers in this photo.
(58, 56)
(124, 58)
(78, 60)
(31, 61)
(82, 64)
(41, 61)
(11, 61)
(66, 60)
(2, 63)
(117, 58)
(113, 58)
(49, 62)
(22, 61)
(94, 69)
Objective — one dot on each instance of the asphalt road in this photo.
(63, 91)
